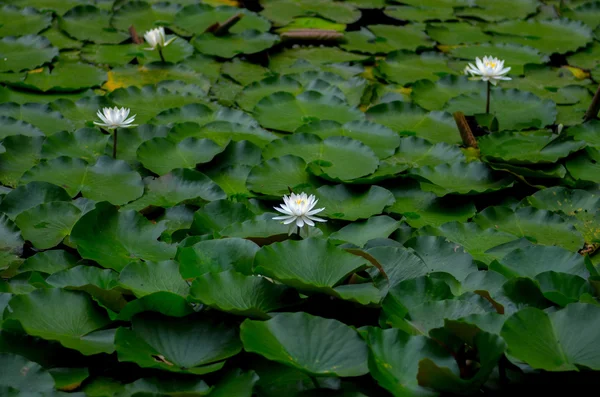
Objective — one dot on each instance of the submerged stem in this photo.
(115, 144)
(162, 57)
(487, 103)
(315, 382)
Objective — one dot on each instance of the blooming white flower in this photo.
(298, 211)
(115, 118)
(489, 69)
(156, 37)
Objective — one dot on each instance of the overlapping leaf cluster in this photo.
(441, 269)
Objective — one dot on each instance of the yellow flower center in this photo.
(490, 64)
(299, 201)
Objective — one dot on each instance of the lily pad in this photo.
(254, 92)
(434, 95)
(185, 345)
(85, 143)
(66, 76)
(22, 21)
(352, 203)
(22, 153)
(361, 232)
(147, 278)
(31, 195)
(341, 351)
(197, 18)
(283, 12)
(588, 13)
(585, 165)
(381, 39)
(403, 67)
(518, 55)
(89, 23)
(111, 243)
(247, 42)
(460, 178)
(25, 52)
(275, 176)
(419, 14)
(222, 132)
(454, 33)
(144, 16)
(22, 375)
(47, 224)
(38, 115)
(490, 10)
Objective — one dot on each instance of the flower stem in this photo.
(115, 144)
(487, 103)
(315, 382)
(162, 57)
(298, 233)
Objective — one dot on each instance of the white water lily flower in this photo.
(115, 118)
(298, 211)
(156, 37)
(489, 69)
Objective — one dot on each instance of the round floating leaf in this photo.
(434, 95)
(456, 33)
(490, 10)
(588, 58)
(254, 92)
(197, 18)
(25, 52)
(417, 152)
(187, 345)
(222, 132)
(47, 224)
(540, 226)
(309, 265)
(531, 261)
(202, 115)
(562, 288)
(190, 387)
(394, 358)
(559, 341)
(13, 127)
(41, 313)
(82, 112)
(282, 111)
(122, 54)
(180, 185)
(88, 23)
(215, 256)
(586, 165)
(588, 13)
(248, 296)
(31, 195)
(22, 153)
(38, 115)
(336, 350)
(549, 36)
(11, 242)
(149, 277)
(283, 12)
(179, 78)
(381, 139)
(215, 216)
(144, 16)
(160, 155)
(515, 110)
(381, 39)
(587, 132)
(478, 242)
(409, 119)
(360, 233)
(404, 67)
(247, 42)
(422, 208)
(162, 302)
(22, 21)
(66, 76)
(22, 375)
(114, 239)
(526, 148)
(275, 176)
(352, 203)
(518, 55)
(317, 56)
(460, 178)
(419, 14)
(97, 182)
(85, 143)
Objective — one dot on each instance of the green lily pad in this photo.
(352, 203)
(179, 185)
(122, 54)
(531, 261)
(216, 216)
(558, 341)
(453, 33)
(361, 232)
(89, 23)
(82, 112)
(178, 78)
(248, 296)
(490, 10)
(381, 139)
(514, 110)
(162, 302)
(562, 288)
(254, 92)
(283, 12)
(403, 67)
(160, 155)
(48, 5)
(22, 375)
(275, 176)
(202, 115)
(85, 143)
(197, 18)
(434, 95)
(518, 55)
(216, 256)
(95, 182)
(409, 119)
(338, 349)
(585, 165)
(282, 111)
(14, 127)
(541, 226)
(27, 196)
(22, 21)
(22, 153)
(548, 36)
(185, 345)
(25, 52)
(587, 132)
(190, 387)
(38, 115)
(460, 178)
(421, 208)
(114, 244)
(419, 14)
(587, 13)
(416, 152)
(317, 56)
(588, 58)
(222, 132)
(144, 16)
(526, 147)
(47, 224)
(11, 244)
(381, 39)
(332, 154)
(41, 313)
(147, 278)
(247, 42)
(66, 76)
